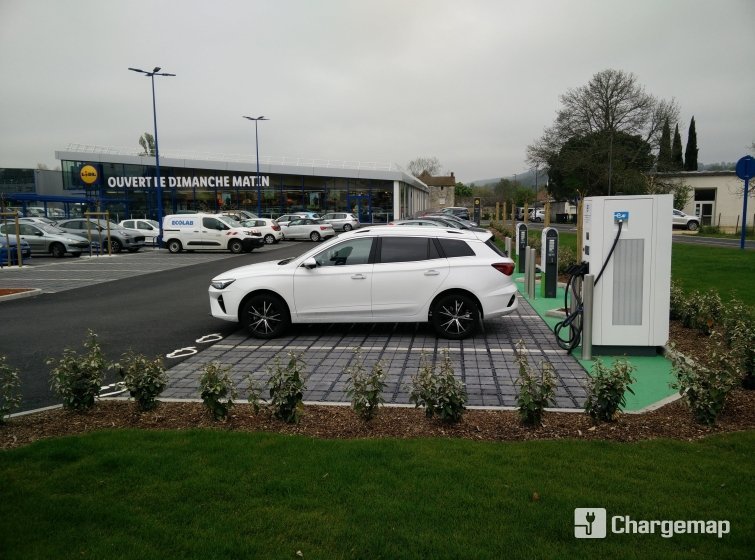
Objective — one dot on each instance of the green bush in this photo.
(535, 391)
(217, 390)
(365, 389)
(77, 379)
(606, 389)
(287, 389)
(10, 389)
(566, 258)
(440, 393)
(254, 394)
(145, 379)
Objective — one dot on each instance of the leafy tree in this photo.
(425, 163)
(690, 154)
(664, 150)
(612, 108)
(586, 166)
(462, 191)
(147, 142)
(676, 151)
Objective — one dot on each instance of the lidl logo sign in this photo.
(88, 174)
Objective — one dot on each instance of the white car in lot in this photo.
(308, 228)
(686, 221)
(270, 230)
(452, 279)
(150, 229)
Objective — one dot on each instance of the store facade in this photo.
(126, 186)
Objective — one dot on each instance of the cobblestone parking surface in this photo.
(486, 362)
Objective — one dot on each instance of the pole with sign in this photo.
(745, 170)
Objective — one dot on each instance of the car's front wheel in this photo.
(455, 316)
(265, 316)
(58, 250)
(235, 246)
(693, 226)
(115, 245)
(314, 236)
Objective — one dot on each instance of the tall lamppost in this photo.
(156, 72)
(257, 147)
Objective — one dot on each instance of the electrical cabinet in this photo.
(631, 295)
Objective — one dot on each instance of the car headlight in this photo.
(222, 284)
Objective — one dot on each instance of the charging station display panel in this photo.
(627, 241)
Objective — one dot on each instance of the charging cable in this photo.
(573, 320)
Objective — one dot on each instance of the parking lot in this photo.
(486, 362)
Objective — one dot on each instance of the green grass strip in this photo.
(213, 494)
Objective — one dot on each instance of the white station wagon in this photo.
(452, 278)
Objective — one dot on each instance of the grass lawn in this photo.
(214, 494)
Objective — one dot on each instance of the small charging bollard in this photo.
(549, 262)
(521, 246)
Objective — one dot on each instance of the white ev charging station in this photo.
(627, 245)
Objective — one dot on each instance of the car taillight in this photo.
(276, 228)
(323, 228)
(505, 268)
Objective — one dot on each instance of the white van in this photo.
(208, 232)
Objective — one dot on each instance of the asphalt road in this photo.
(153, 314)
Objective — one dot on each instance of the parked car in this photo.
(37, 220)
(269, 229)
(120, 238)
(308, 228)
(456, 222)
(452, 279)
(44, 239)
(681, 219)
(150, 229)
(421, 222)
(459, 211)
(9, 250)
(286, 218)
(239, 215)
(536, 215)
(341, 221)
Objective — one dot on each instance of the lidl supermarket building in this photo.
(126, 186)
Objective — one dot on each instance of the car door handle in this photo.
(358, 277)
(431, 273)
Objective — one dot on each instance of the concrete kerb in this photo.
(27, 292)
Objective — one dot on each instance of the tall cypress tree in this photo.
(676, 151)
(664, 150)
(690, 154)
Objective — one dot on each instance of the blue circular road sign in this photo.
(746, 168)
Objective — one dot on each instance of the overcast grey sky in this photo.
(470, 82)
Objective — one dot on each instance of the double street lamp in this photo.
(152, 74)
(257, 147)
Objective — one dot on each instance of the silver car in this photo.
(308, 228)
(45, 239)
(120, 238)
(341, 221)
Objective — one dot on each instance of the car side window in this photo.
(406, 249)
(456, 248)
(212, 223)
(354, 251)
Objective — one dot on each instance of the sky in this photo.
(469, 82)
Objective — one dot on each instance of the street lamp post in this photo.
(156, 72)
(257, 147)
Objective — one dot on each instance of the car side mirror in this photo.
(310, 263)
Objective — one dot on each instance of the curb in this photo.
(30, 292)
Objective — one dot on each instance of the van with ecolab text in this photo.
(208, 232)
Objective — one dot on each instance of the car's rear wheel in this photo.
(235, 246)
(455, 316)
(174, 246)
(58, 250)
(314, 236)
(347, 227)
(265, 316)
(269, 239)
(693, 226)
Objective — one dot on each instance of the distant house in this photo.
(441, 189)
(716, 197)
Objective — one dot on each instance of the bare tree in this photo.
(425, 163)
(612, 101)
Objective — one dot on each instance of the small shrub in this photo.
(287, 389)
(77, 379)
(567, 257)
(705, 387)
(217, 390)
(535, 391)
(254, 396)
(145, 379)
(606, 389)
(365, 389)
(440, 394)
(10, 389)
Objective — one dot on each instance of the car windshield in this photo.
(227, 220)
(50, 228)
